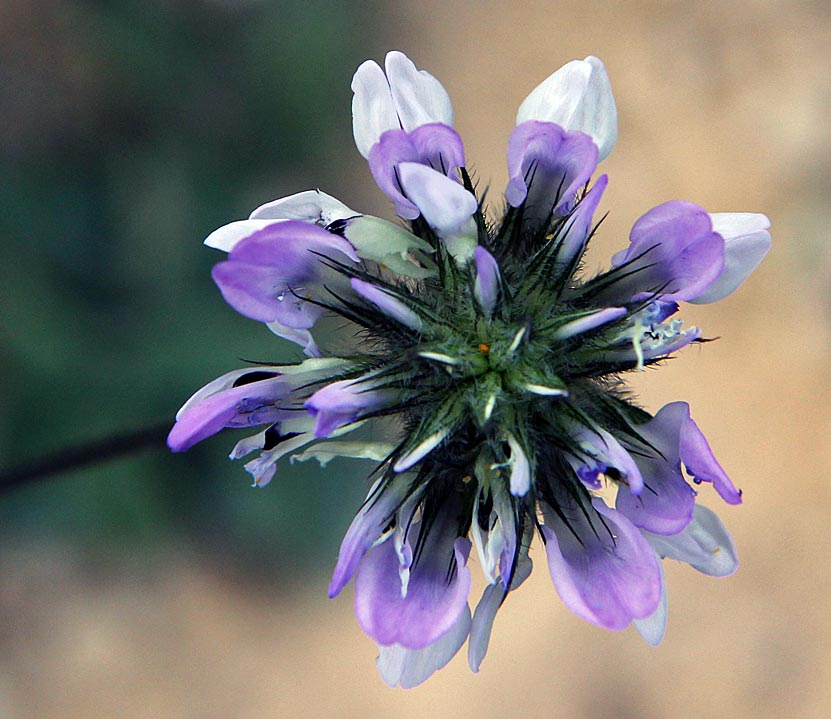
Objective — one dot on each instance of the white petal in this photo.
(373, 109)
(310, 206)
(746, 242)
(325, 452)
(226, 237)
(578, 96)
(653, 627)
(419, 98)
(388, 244)
(410, 667)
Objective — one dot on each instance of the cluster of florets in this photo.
(487, 382)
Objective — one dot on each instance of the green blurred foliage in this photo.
(131, 130)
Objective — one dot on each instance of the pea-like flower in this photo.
(487, 382)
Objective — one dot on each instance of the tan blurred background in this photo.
(725, 104)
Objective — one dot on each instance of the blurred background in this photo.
(163, 585)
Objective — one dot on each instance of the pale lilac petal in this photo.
(653, 627)
(589, 322)
(483, 617)
(578, 96)
(419, 98)
(301, 337)
(486, 285)
(367, 526)
(408, 668)
(310, 206)
(263, 468)
(704, 544)
(419, 452)
(445, 204)
(547, 168)
(433, 603)
(373, 109)
(747, 241)
(702, 465)
(520, 481)
(610, 575)
(389, 305)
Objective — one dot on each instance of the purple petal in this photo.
(433, 603)
(577, 230)
(673, 250)
(747, 241)
(369, 524)
(250, 405)
(702, 465)
(393, 148)
(704, 544)
(440, 147)
(665, 506)
(547, 167)
(605, 453)
(607, 574)
(268, 273)
(410, 667)
(340, 403)
(486, 285)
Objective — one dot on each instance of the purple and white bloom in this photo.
(488, 381)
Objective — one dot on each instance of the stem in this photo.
(84, 455)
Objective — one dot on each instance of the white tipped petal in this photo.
(373, 109)
(419, 98)
(579, 97)
(226, 237)
(410, 667)
(746, 242)
(309, 206)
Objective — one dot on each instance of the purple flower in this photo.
(487, 379)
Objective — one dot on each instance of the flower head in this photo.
(488, 382)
